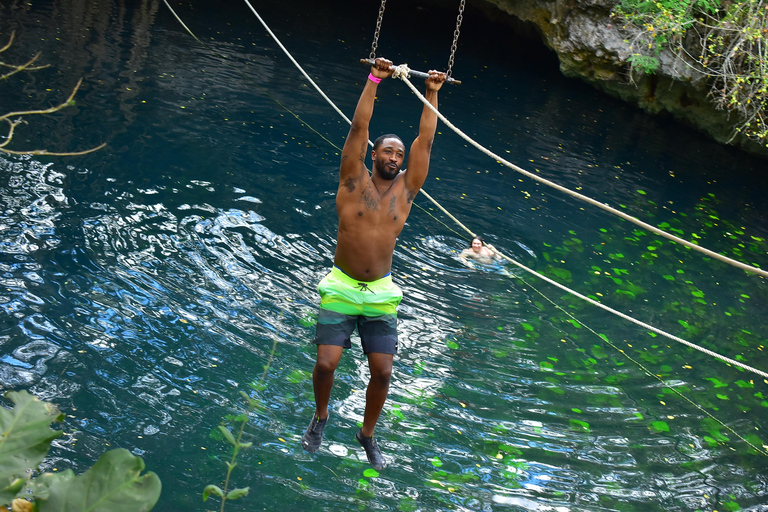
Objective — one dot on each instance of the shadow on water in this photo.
(142, 287)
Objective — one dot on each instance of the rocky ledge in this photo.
(590, 45)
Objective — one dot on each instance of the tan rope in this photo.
(555, 283)
(582, 197)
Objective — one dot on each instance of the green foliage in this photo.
(25, 441)
(113, 484)
(724, 41)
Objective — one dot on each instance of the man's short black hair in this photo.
(381, 138)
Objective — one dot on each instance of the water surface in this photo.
(144, 286)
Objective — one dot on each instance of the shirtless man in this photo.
(359, 292)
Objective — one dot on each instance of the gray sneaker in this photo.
(372, 450)
(313, 437)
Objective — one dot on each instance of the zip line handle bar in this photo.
(412, 72)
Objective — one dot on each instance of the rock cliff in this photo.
(590, 45)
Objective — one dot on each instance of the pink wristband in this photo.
(373, 78)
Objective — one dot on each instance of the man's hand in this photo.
(383, 68)
(435, 80)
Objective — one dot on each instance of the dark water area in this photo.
(142, 287)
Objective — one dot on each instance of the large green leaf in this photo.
(113, 484)
(25, 440)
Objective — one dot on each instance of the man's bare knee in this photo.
(326, 366)
(380, 366)
(328, 357)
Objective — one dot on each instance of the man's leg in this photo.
(328, 357)
(380, 366)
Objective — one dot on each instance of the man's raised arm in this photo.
(356, 145)
(418, 159)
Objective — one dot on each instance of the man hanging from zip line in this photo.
(358, 291)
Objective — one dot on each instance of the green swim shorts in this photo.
(346, 303)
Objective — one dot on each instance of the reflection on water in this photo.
(144, 286)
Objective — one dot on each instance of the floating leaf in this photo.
(436, 462)
(582, 426)
(660, 426)
(560, 273)
(452, 344)
(297, 376)
(599, 352)
(308, 321)
(526, 326)
(370, 473)
(717, 383)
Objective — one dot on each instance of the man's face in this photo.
(477, 245)
(388, 158)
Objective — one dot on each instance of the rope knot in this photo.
(401, 71)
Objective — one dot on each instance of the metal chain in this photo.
(378, 29)
(456, 33)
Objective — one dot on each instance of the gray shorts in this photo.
(378, 334)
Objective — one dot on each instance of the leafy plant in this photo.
(113, 484)
(724, 41)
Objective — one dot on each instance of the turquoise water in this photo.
(144, 286)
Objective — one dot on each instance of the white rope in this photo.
(266, 27)
(402, 73)
(634, 320)
(589, 200)
(565, 288)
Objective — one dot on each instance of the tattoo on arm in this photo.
(362, 151)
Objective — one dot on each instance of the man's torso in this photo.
(369, 224)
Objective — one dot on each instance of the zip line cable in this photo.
(604, 206)
(573, 292)
(402, 74)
